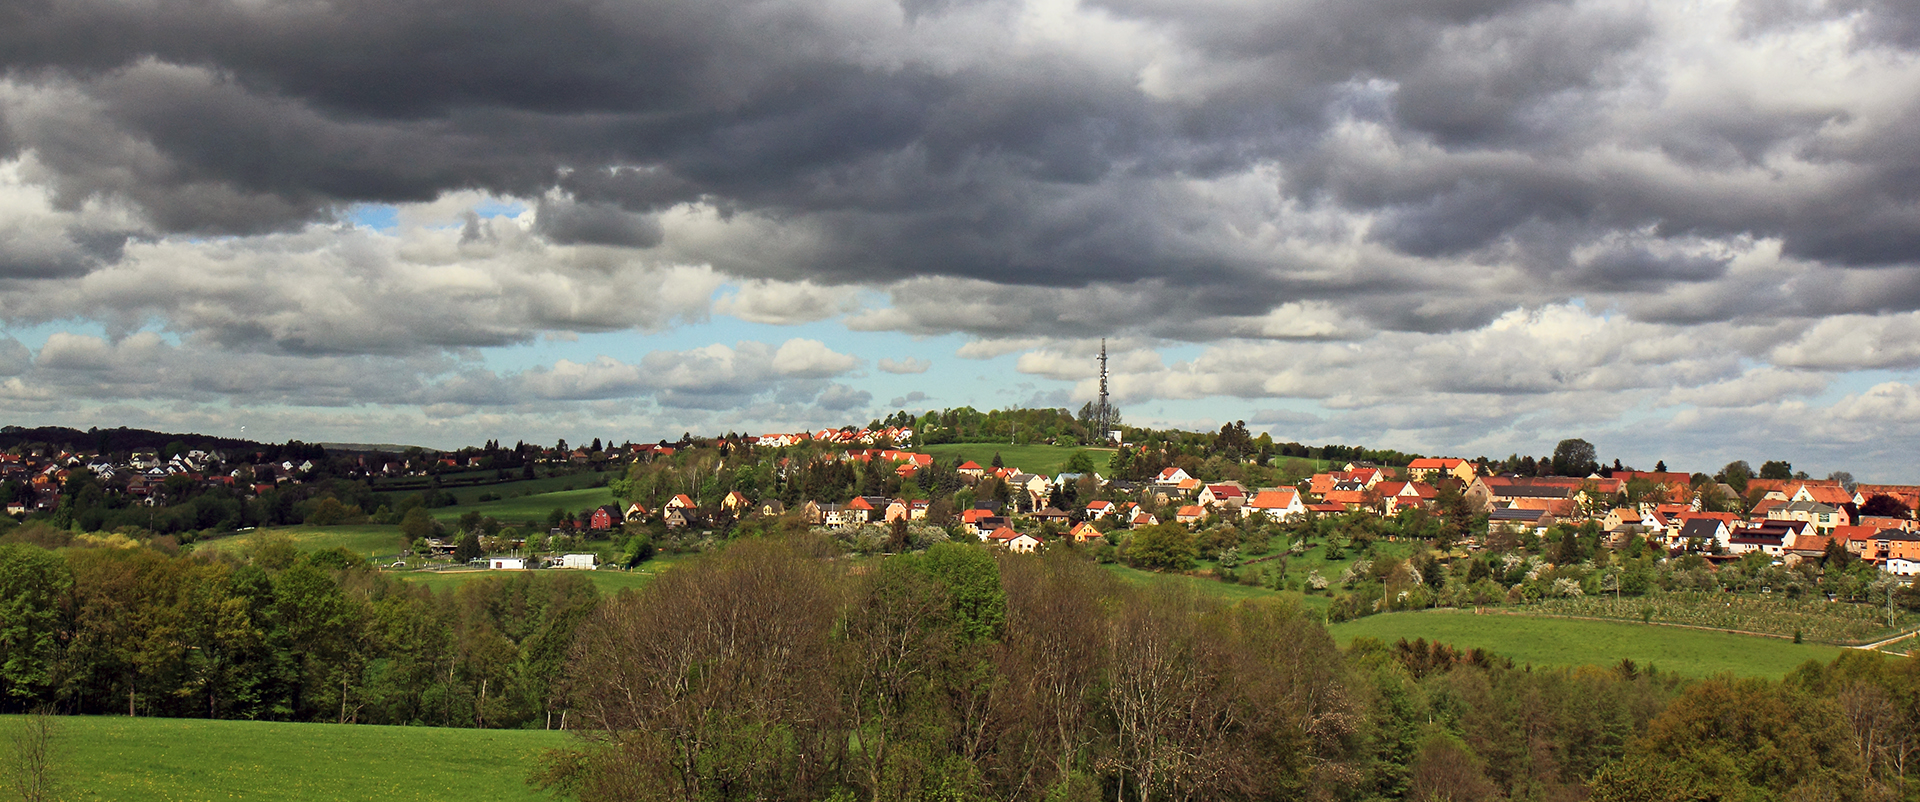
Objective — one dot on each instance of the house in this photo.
(1902, 558)
(1279, 504)
(1516, 519)
(971, 518)
(770, 508)
(1222, 495)
(680, 502)
(1824, 517)
(1433, 468)
(507, 564)
(605, 517)
(1628, 518)
(1190, 514)
(578, 561)
(832, 516)
(1099, 509)
(1036, 486)
(970, 468)
(1396, 496)
(1171, 476)
(1703, 532)
(1083, 533)
(1771, 537)
(1807, 547)
(1856, 539)
(866, 509)
(1142, 518)
(1017, 542)
(1050, 514)
(735, 502)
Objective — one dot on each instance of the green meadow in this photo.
(361, 539)
(532, 508)
(1563, 642)
(191, 760)
(1041, 459)
(608, 582)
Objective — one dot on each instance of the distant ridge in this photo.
(118, 439)
(374, 447)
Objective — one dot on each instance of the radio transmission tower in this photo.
(1103, 414)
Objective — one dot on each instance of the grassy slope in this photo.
(532, 508)
(1549, 641)
(1212, 587)
(364, 539)
(161, 760)
(1032, 459)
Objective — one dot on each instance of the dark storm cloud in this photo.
(1423, 166)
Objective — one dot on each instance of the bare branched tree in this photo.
(32, 769)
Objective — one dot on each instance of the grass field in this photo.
(529, 487)
(532, 508)
(176, 760)
(363, 539)
(609, 582)
(1561, 642)
(1047, 460)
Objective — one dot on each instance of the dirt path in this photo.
(1895, 639)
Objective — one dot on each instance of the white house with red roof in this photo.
(1018, 542)
(1099, 509)
(1279, 504)
(1171, 476)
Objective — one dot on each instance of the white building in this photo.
(581, 561)
(507, 564)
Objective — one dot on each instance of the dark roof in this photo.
(1532, 491)
(1508, 514)
(1702, 528)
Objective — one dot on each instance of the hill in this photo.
(1041, 459)
(116, 440)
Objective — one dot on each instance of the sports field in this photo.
(1562, 642)
(120, 759)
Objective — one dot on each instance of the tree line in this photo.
(107, 625)
(773, 670)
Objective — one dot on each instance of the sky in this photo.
(1683, 230)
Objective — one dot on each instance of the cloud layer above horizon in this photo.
(1684, 231)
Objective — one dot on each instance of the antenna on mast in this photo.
(1103, 415)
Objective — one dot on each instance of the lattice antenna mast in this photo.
(1104, 414)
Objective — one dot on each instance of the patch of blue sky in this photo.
(381, 217)
(1860, 381)
(35, 336)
